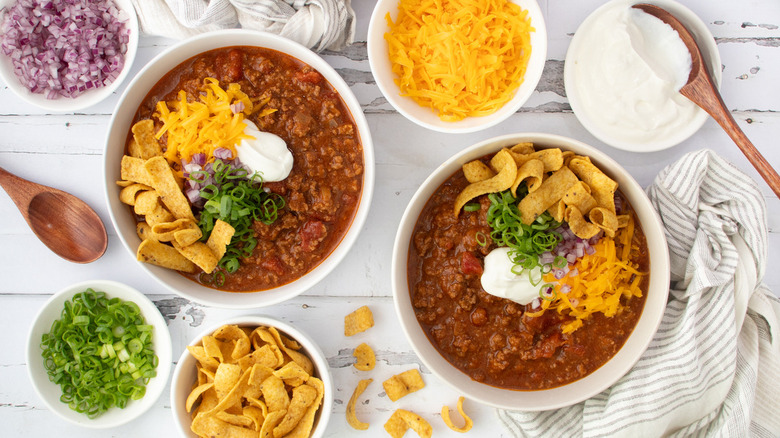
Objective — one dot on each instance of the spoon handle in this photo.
(706, 96)
(17, 188)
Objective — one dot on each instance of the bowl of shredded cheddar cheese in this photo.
(458, 66)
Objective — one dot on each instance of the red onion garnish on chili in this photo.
(223, 153)
(63, 48)
(199, 174)
(570, 248)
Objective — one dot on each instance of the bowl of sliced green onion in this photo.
(99, 354)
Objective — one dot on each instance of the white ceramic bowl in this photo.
(122, 217)
(709, 51)
(50, 392)
(383, 74)
(576, 391)
(88, 98)
(184, 376)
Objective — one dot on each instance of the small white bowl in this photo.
(88, 98)
(50, 392)
(185, 374)
(709, 51)
(381, 68)
(122, 216)
(578, 390)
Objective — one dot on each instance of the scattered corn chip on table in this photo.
(65, 151)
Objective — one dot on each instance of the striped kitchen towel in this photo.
(317, 24)
(713, 368)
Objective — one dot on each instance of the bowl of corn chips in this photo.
(252, 376)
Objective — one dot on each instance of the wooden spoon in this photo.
(701, 91)
(63, 222)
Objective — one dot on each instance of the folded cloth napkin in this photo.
(317, 24)
(713, 368)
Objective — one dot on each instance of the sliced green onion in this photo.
(238, 199)
(472, 207)
(526, 242)
(84, 353)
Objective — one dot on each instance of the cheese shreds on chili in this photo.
(603, 277)
(463, 58)
(214, 120)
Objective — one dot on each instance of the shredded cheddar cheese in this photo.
(462, 58)
(208, 123)
(603, 278)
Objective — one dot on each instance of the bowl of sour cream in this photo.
(623, 72)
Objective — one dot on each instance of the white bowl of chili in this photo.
(131, 341)
(278, 270)
(475, 79)
(311, 422)
(470, 339)
(76, 69)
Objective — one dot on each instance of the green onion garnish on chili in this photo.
(238, 199)
(99, 352)
(526, 242)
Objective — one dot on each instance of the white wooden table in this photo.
(66, 151)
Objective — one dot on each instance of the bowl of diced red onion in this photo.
(66, 55)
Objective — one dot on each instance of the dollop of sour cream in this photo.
(266, 153)
(499, 280)
(628, 74)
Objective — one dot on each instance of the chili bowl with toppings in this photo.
(522, 272)
(99, 354)
(457, 66)
(239, 168)
(66, 56)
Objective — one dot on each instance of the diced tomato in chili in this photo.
(312, 233)
(273, 264)
(277, 187)
(311, 77)
(469, 264)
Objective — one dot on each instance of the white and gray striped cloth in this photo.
(317, 24)
(713, 368)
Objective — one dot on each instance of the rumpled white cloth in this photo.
(713, 368)
(317, 24)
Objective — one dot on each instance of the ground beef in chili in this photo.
(324, 187)
(491, 339)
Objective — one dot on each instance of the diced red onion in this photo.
(55, 46)
(237, 107)
(565, 289)
(223, 154)
(193, 195)
(546, 258)
(574, 272)
(199, 159)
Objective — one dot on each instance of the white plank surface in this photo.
(65, 150)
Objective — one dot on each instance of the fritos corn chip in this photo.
(160, 254)
(144, 145)
(366, 360)
(402, 420)
(445, 415)
(506, 169)
(403, 384)
(358, 321)
(351, 415)
(476, 171)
